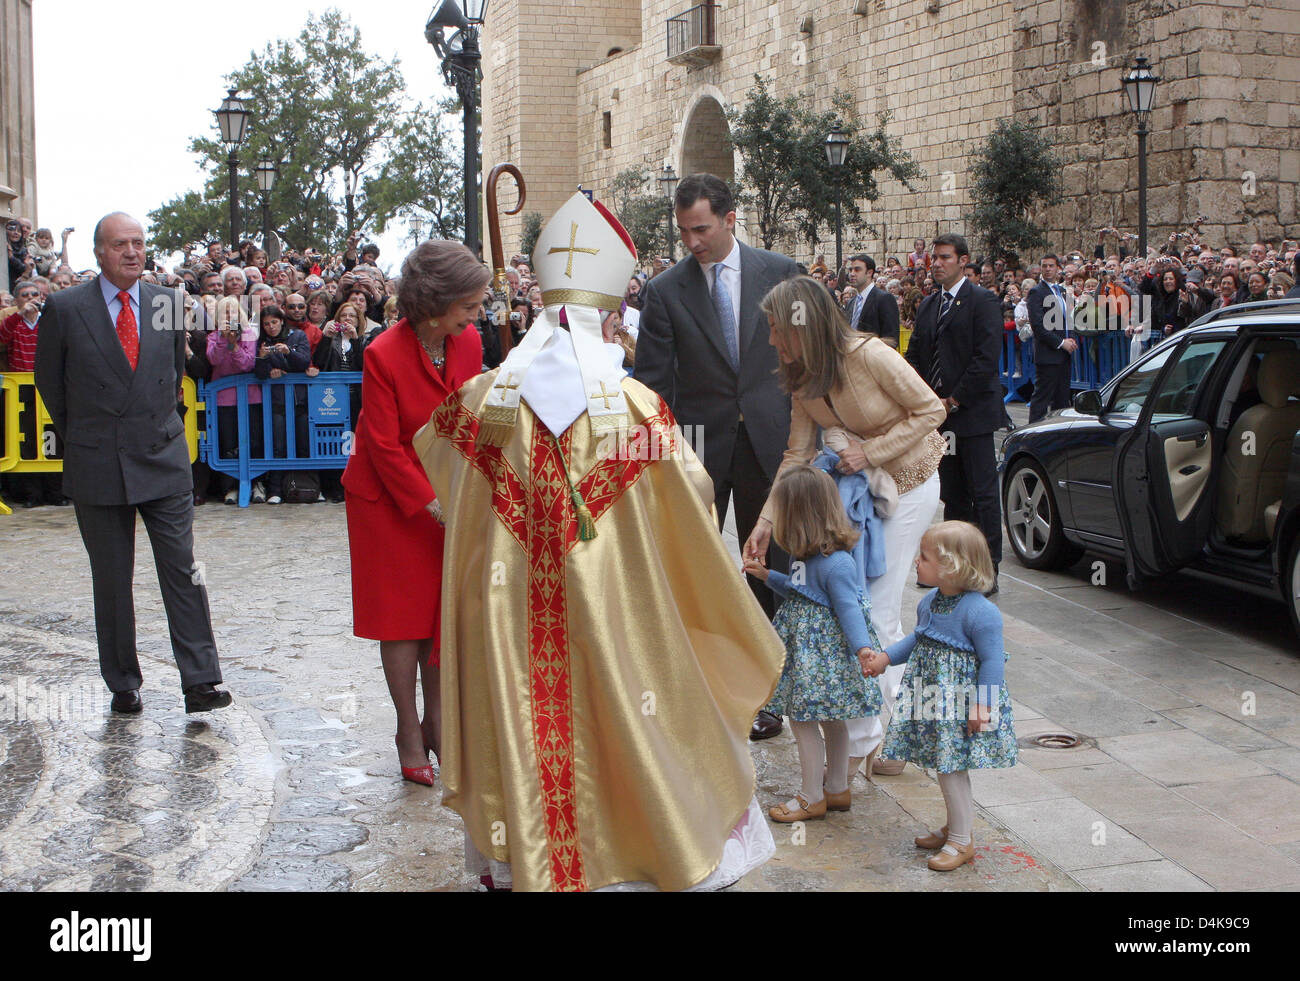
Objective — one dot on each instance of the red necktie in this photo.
(127, 332)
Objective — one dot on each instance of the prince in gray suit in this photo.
(110, 357)
(703, 346)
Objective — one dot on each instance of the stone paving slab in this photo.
(295, 787)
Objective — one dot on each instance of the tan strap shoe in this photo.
(838, 802)
(783, 815)
(943, 862)
(933, 840)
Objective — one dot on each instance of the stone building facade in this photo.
(576, 91)
(17, 111)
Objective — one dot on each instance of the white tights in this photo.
(814, 754)
(961, 808)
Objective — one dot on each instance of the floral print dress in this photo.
(928, 726)
(822, 680)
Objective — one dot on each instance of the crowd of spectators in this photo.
(307, 312)
(1179, 282)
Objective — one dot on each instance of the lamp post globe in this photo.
(266, 173)
(837, 148)
(461, 59)
(1139, 86)
(232, 120)
(668, 180)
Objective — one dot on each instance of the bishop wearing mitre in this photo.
(602, 657)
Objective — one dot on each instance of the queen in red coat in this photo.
(394, 530)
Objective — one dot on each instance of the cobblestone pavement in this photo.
(296, 786)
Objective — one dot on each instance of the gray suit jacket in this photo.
(681, 354)
(122, 437)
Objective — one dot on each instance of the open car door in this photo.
(1165, 468)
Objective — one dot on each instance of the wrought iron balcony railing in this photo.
(693, 37)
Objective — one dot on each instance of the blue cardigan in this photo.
(975, 624)
(833, 581)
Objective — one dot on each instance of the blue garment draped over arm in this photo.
(855, 492)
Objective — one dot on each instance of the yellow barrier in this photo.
(904, 339)
(11, 462)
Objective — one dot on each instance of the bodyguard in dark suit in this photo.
(956, 347)
(1049, 315)
(873, 310)
(703, 346)
(110, 358)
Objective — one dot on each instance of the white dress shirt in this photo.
(729, 270)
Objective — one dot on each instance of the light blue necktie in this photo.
(857, 308)
(726, 316)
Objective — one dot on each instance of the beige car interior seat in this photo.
(1258, 451)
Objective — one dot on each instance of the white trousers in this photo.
(904, 530)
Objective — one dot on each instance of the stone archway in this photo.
(706, 143)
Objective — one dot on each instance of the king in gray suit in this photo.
(110, 358)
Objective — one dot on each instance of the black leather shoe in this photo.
(128, 702)
(205, 698)
(765, 726)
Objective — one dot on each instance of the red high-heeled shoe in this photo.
(422, 775)
(418, 774)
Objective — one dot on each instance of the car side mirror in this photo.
(1088, 403)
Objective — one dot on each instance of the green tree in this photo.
(325, 112)
(188, 218)
(767, 132)
(422, 176)
(1014, 172)
(532, 230)
(871, 155)
(643, 213)
(787, 182)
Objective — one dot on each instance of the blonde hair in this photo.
(805, 308)
(963, 554)
(808, 517)
(227, 304)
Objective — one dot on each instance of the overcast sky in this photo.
(122, 87)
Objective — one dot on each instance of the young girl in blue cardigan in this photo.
(825, 622)
(953, 712)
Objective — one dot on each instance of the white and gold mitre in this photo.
(583, 258)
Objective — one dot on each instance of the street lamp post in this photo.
(267, 172)
(1140, 88)
(461, 59)
(416, 224)
(232, 119)
(668, 180)
(837, 147)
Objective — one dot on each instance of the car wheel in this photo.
(1033, 521)
(1291, 585)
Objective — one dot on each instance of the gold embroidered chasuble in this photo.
(597, 695)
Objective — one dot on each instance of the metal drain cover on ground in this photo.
(1056, 740)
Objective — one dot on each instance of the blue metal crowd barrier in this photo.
(329, 425)
(1101, 355)
(1016, 372)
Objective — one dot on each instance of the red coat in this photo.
(396, 545)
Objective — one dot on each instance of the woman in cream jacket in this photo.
(878, 415)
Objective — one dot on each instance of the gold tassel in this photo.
(586, 523)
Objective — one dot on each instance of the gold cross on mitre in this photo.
(509, 385)
(603, 394)
(573, 248)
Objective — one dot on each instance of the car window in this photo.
(1131, 391)
(1178, 390)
